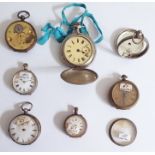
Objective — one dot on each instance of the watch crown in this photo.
(25, 65)
(124, 77)
(76, 110)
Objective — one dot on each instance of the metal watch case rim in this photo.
(35, 119)
(20, 50)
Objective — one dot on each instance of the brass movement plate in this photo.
(124, 94)
(20, 36)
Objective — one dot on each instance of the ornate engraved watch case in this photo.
(124, 93)
(131, 44)
(21, 35)
(24, 81)
(75, 125)
(78, 51)
(24, 129)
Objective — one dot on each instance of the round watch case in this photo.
(18, 121)
(131, 43)
(123, 132)
(78, 74)
(83, 124)
(21, 35)
(17, 74)
(124, 94)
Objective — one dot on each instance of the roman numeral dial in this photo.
(24, 129)
(24, 82)
(78, 50)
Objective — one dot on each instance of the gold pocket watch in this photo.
(24, 129)
(78, 51)
(124, 93)
(21, 35)
(24, 81)
(75, 125)
(131, 43)
(123, 132)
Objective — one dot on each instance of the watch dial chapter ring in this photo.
(36, 121)
(78, 65)
(35, 78)
(75, 113)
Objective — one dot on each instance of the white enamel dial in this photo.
(24, 129)
(24, 82)
(75, 126)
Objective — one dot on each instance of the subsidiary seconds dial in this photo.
(78, 50)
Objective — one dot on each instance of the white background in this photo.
(54, 98)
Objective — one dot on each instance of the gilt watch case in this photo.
(21, 35)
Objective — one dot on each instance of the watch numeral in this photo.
(82, 42)
(32, 136)
(13, 134)
(83, 59)
(72, 42)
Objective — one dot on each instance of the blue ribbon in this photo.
(59, 34)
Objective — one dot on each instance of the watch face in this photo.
(20, 36)
(24, 129)
(75, 126)
(24, 82)
(124, 94)
(78, 50)
(123, 132)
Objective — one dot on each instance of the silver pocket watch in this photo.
(75, 125)
(131, 43)
(24, 128)
(24, 81)
(78, 51)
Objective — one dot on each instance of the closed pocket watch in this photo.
(21, 35)
(24, 81)
(75, 125)
(123, 132)
(78, 52)
(124, 93)
(131, 43)
(24, 129)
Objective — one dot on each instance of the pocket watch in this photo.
(123, 132)
(24, 129)
(21, 35)
(131, 43)
(24, 81)
(124, 93)
(78, 51)
(75, 125)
